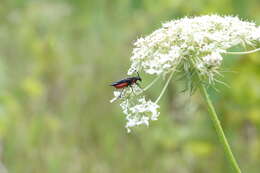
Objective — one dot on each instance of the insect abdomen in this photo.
(121, 85)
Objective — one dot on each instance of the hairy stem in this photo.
(219, 130)
(243, 53)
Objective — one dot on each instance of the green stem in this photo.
(220, 132)
(151, 84)
(164, 88)
(243, 53)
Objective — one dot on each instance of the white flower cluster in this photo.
(126, 93)
(137, 109)
(139, 112)
(190, 43)
(186, 46)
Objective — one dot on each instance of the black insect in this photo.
(128, 82)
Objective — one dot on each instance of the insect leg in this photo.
(139, 85)
(132, 89)
(121, 93)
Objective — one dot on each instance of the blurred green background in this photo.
(57, 58)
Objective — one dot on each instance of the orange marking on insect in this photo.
(122, 85)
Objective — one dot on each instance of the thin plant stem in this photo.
(243, 53)
(148, 86)
(219, 130)
(165, 86)
(151, 84)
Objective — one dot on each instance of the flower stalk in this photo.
(219, 130)
(243, 53)
(164, 88)
(187, 46)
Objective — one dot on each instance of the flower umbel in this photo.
(185, 46)
(139, 112)
(200, 39)
(137, 109)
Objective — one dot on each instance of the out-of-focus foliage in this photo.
(57, 58)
